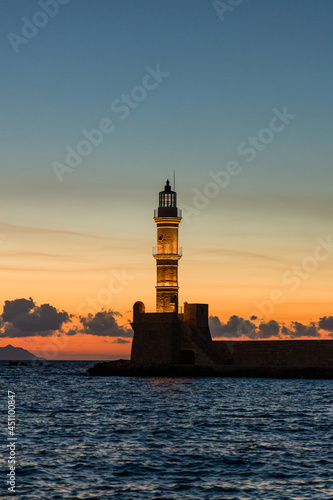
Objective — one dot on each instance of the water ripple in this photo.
(158, 438)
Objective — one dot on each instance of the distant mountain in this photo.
(10, 353)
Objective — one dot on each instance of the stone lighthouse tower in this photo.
(166, 337)
(167, 253)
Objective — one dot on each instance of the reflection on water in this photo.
(141, 438)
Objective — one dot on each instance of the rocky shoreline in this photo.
(125, 368)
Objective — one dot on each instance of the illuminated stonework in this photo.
(167, 253)
(166, 337)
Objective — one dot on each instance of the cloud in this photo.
(268, 330)
(235, 327)
(326, 323)
(299, 330)
(43, 318)
(16, 308)
(23, 318)
(120, 341)
(72, 331)
(103, 324)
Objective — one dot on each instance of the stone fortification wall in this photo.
(275, 353)
(156, 338)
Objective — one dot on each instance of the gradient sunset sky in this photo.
(176, 84)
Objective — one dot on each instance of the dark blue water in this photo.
(130, 438)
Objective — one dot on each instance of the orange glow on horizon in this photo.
(238, 270)
(77, 347)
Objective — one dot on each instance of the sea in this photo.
(83, 437)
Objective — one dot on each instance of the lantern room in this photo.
(167, 202)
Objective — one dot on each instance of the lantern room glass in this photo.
(167, 198)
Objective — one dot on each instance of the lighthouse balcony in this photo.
(167, 212)
(168, 255)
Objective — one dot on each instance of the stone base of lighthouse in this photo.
(171, 338)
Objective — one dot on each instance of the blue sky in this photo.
(225, 78)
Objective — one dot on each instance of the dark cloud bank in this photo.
(238, 327)
(24, 318)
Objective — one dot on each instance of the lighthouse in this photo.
(167, 337)
(167, 252)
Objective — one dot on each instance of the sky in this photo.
(100, 102)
